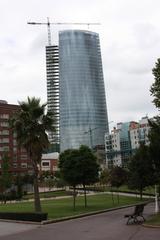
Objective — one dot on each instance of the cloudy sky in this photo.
(130, 44)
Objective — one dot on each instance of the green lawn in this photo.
(124, 188)
(64, 207)
(46, 194)
(155, 220)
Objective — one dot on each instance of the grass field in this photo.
(155, 220)
(64, 207)
(46, 195)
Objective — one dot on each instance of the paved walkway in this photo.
(106, 226)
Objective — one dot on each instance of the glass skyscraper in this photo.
(83, 112)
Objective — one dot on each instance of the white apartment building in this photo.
(123, 141)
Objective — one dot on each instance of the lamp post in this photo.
(156, 200)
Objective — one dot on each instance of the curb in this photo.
(150, 226)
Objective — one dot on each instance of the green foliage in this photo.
(154, 138)
(154, 135)
(141, 173)
(104, 176)
(79, 166)
(118, 176)
(31, 125)
(155, 88)
(68, 164)
(6, 180)
(88, 167)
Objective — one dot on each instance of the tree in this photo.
(58, 180)
(118, 177)
(88, 168)
(6, 180)
(154, 135)
(18, 181)
(141, 173)
(79, 166)
(154, 138)
(68, 164)
(31, 125)
(104, 176)
(155, 88)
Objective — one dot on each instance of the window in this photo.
(6, 148)
(4, 116)
(4, 132)
(4, 124)
(24, 156)
(14, 149)
(15, 142)
(15, 165)
(15, 158)
(23, 150)
(15, 134)
(45, 164)
(23, 165)
(4, 140)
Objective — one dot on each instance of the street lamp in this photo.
(156, 200)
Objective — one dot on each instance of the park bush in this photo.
(24, 216)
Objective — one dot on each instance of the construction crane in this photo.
(48, 23)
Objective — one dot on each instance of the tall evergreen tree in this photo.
(154, 135)
(141, 173)
(155, 88)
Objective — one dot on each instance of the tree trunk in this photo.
(85, 196)
(37, 203)
(112, 196)
(118, 195)
(4, 197)
(141, 193)
(74, 198)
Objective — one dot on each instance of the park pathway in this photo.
(106, 226)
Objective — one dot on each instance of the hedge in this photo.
(24, 216)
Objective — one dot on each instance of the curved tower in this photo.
(83, 112)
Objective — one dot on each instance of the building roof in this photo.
(53, 155)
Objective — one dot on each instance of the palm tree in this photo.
(31, 125)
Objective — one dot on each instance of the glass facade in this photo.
(83, 112)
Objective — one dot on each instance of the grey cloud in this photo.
(130, 45)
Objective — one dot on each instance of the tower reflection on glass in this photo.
(82, 92)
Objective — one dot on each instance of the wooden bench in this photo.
(138, 212)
